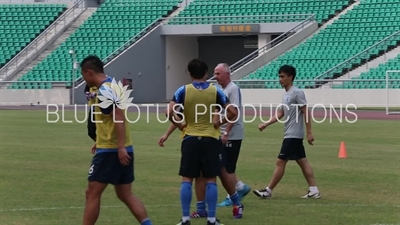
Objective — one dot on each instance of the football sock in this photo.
(313, 189)
(146, 222)
(185, 218)
(211, 219)
(201, 207)
(211, 199)
(186, 198)
(239, 186)
(235, 199)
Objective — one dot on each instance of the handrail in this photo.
(397, 33)
(126, 45)
(240, 19)
(270, 44)
(160, 20)
(132, 40)
(4, 71)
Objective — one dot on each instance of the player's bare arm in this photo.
(123, 155)
(231, 115)
(170, 114)
(273, 120)
(307, 121)
(164, 138)
(229, 126)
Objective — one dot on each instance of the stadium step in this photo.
(71, 29)
(372, 64)
(39, 43)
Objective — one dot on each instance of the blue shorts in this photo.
(106, 168)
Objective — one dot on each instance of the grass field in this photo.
(43, 170)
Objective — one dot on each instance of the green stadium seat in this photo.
(379, 73)
(204, 8)
(114, 23)
(363, 26)
(21, 23)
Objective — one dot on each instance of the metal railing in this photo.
(363, 55)
(250, 57)
(239, 19)
(32, 48)
(125, 46)
(311, 84)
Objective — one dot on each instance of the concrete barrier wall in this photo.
(326, 97)
(27, 97)
(265, 97)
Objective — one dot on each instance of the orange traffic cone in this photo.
(342, 151)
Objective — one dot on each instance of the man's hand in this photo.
(262, 126)
(93, 148)
(162, 139)
(123, 156)
(310, 138)
(224, 139)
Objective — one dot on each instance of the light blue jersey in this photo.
(292, 102)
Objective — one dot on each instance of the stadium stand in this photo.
(112, 25)
(363, 26)
(323, 9)
(21, 23)
(376, 73)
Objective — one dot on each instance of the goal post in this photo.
(396, 110)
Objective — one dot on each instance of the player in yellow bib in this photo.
(200, 149)
(113, 161)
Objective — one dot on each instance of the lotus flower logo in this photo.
(114, 94)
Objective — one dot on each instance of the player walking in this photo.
(231, 133)
(294, 109)
(113, 161)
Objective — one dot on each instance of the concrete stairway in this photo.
(82, 18)
(366, 67)
(40, 43)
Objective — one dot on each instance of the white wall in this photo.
(263, 40)
(327, 97)
(265, 97)
(26, 97)
(179, 51)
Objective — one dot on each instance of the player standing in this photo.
(113, 161)
(231, 133)
(200, 147)
(294, 109)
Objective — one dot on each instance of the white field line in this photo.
(175, 205)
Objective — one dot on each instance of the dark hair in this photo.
(197, 68)
(94, 63)
(289, 70)
(87, 88)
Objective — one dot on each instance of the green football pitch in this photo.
(43, 171)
